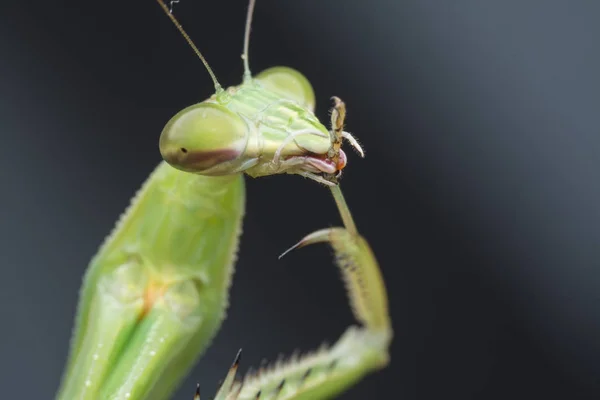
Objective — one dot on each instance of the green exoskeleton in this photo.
(155, 294)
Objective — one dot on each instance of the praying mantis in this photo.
(156, 292)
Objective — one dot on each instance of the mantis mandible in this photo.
(156, 292)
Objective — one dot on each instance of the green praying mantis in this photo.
(156, 292)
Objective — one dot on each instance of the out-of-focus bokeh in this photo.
(480, 193)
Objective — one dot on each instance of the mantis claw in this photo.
(229, 381)
(322, 235)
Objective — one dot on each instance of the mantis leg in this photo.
(361, 349)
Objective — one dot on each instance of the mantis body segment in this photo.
(156, 293)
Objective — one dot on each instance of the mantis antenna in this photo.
(247, 74)
(169, 13)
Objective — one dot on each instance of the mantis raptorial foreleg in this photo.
(360, 350)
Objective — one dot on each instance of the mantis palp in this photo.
(156, 293)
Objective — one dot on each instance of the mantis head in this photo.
(269, 128)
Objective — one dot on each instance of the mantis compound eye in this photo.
(203, 137)
(289, 84)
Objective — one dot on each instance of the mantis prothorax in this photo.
(156, 293)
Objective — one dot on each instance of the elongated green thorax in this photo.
(156, 292)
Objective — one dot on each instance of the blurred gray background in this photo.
(480, 193)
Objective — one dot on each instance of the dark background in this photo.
(479, 194)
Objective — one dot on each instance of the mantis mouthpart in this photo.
(156, 293)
